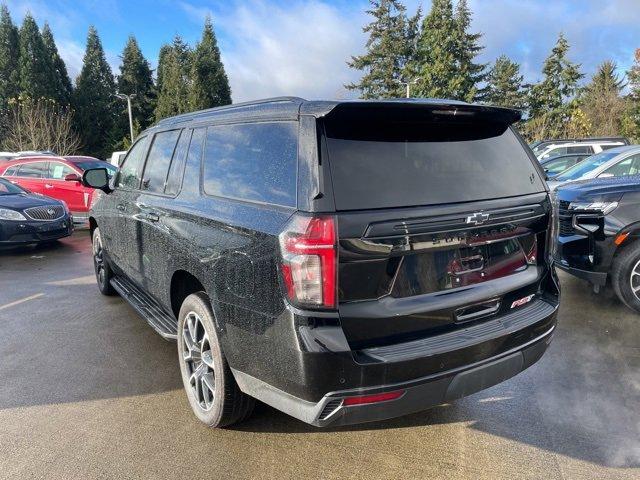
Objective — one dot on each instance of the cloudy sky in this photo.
(300, 47)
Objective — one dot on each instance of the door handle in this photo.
(46, 185)
(152, 217)
(120, 207)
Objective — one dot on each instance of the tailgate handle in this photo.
(479, 310)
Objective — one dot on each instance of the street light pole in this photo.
(128, 98)
(408, 85)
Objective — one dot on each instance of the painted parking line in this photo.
(22, 300)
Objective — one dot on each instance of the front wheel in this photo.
(212, 391)
(625, 276)
(101, 266)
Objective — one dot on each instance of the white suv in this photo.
(589, 147)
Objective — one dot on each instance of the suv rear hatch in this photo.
(442, 218)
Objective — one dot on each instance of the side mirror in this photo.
(97, 178)
(72, 177)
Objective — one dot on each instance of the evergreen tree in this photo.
(135, 78)
(162, 59)
(601, 100)
(391, 43)
(472, 74)
(9, 51)
(210, 86)
(173, 97)
(94, 99)
(560, 81)
(631, 115)
(505, 84)
(606, 79)
(34, 64)
(436, 63)
(60, 88)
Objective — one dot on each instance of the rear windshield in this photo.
(401, 164)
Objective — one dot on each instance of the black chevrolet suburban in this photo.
(599, 234)
(341, 261)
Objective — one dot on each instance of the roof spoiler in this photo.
(415, 110)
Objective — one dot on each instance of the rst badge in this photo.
(522, 301)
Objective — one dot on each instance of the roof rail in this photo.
(198, 113)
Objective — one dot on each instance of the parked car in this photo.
(343, 262)
(599, 234)
(539, 146)
(56, 177)
(29, 218)
(584, 147)
(617, 162)
(556, 165)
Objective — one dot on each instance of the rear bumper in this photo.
(428, 371)
(417, 395)
(20, 233)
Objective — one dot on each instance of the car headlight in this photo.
(6, 214)
(603, 207)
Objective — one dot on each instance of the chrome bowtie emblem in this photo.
(478, 218)
(51, 211)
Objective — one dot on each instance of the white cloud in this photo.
(298, 50)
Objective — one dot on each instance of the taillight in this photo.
(309, 258)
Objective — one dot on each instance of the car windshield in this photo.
(87, 164)
(8, 188)
(586, 166)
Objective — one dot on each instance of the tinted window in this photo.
(255, 162)
(580, 149)
(33, 170)
(628, 166)
(57, 171)
(158, 161)
(129, 176)
(559, 165)
(190, 144)
(396, 164)
(607, 147)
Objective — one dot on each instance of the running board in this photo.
(146, 306)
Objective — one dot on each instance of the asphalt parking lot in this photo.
(88, 390)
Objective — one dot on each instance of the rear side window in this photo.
(129, 176)
(382, 164)
(255, 162)
(628, 166)
(33, 170)
(11, 171)
(580, 149)
(174, 178)
(159, 160)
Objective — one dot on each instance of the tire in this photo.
(101, 267)
(213, 393)
(625, 276)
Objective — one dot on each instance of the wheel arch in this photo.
(183, 283)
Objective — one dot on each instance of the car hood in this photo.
(599, 188)
(24, 200)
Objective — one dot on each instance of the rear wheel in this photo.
(101, 266)
(625, 276)
(212, 391)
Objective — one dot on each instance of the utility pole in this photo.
(128, 99)
(408, 84)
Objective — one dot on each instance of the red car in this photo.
(56, 177)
